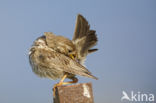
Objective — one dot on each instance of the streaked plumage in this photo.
(50, 54)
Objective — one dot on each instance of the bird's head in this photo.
(72, 54)
(65, 46)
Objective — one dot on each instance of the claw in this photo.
(74, 80)
(54, 88)
(59, 84)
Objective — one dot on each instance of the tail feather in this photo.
(92, 50)
(90, 41)
(84, 38)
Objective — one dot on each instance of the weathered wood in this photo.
(79, 93)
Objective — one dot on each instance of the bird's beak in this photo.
(73, 56)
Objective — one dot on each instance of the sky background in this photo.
(126, 59)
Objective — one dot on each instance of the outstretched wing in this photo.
(53, 60)
(84, 38)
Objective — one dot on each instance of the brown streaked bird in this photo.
(57, 57)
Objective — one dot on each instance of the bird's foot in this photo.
(56, 85)
(74, 80)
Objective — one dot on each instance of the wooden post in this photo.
(79, 93)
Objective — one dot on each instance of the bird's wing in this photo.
(52, 59)
(51, 39)
(84, 38)
(56, 42)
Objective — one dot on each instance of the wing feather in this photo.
(52, 59)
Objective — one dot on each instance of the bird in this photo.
(57, 57)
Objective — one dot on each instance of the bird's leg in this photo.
(59, 84)
(74, 80)
(61, 81)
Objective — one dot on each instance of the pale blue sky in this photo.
(126, 59)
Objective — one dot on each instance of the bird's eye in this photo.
(69, 51)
